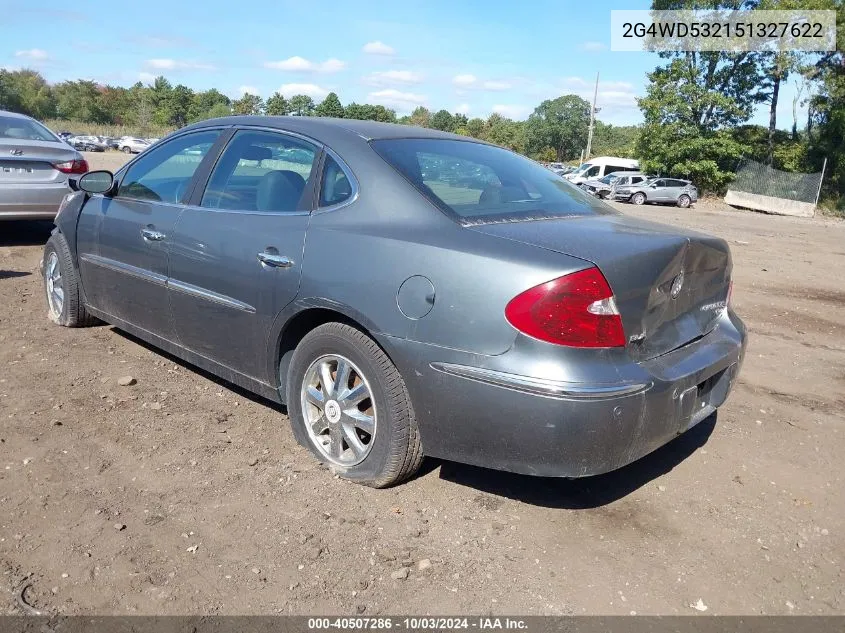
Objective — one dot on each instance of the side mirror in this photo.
(96, 182)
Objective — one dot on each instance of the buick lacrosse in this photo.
(404, 292)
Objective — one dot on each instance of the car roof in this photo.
(324, 128)
(14, 115)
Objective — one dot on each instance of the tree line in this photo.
(696, 110)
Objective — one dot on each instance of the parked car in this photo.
(64, 135)
(660, 191)
(34, 168)
(525, 326)
(132, 145)
(86, 143)
(110, 142)
(603, 187)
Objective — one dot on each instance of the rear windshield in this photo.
(478, 183)
(25, 130)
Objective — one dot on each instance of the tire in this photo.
(638, 198)
(393, 452)
(126, 150)
(684, 201)
(59, 272)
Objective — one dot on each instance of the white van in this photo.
(601, 166)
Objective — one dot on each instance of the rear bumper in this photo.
(494, 418)
(31, 201)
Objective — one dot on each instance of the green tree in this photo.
(218, 110)
(442, 120)
(80, 101)
(505, 132)
(420, 117)
(369, 112)
(206, 101)
(301, 105)
(475, 127)
(330, 106)
(277, 105)
(615, 140)
(179, 105)
(27, 92)
(560, 124)
(248, 104)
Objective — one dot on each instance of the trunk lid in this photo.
(670, 284)
(27, 161)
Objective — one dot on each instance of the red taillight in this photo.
(576, 310)
(72, 166)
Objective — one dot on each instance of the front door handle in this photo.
(151, 235)
(277, 261)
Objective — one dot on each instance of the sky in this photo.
(469, 57)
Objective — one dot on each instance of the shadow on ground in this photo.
(25, 233)
(587, 492)
(574, 494)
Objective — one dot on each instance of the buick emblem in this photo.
(16, 152)
(677, 284)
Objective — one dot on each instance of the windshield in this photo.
(608, 179)
(581, 169)
(25, 130)
(480, 183)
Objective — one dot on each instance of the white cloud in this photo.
(33, 55)
(298, 64)
(392, 98)
(473, 82)
(496, 85)
(146, 78)
(613, 96)
(463, 108)
(176, 64)
(242, 90)
(312, 90)
(511, 111)
(388, 77)
(464, 80)
(593, 46)
(378, 48)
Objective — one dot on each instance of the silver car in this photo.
(34, 168)
(604, 187)
(659, 190)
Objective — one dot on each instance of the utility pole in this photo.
(592, 121)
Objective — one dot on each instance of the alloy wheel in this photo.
(54, 284)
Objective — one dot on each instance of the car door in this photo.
(657, 191)
(124, 268)
(674, 188)
(236, 255)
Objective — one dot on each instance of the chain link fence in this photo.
(763, 188)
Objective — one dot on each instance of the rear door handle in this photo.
(277, 261)
(151, 235)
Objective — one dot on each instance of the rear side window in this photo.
(476, 183)
(261, 171)
(163, 173)
(336, 187)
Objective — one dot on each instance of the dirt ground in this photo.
(183, 495)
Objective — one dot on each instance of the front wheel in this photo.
(348, 404)
(638, 198)
(62, 286)
(126, 150)
(684, 201)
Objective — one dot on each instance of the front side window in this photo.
(164, 173)
(261, 171)
(592, 171)
(336, 187)
(477, 183)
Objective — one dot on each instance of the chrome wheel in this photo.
(684, 202)
(339, 410)
(639, 198)
(54, 284)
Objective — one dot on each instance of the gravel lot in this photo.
(183, 495)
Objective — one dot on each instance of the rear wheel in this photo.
(62, 286)
(638, 198)
(684, 201)
(348, 404)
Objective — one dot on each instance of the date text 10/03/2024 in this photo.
(425, 623)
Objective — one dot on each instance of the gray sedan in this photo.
(404, 292)
(34, 168)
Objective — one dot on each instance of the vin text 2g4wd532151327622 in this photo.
(405, 292)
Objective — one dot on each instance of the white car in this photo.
(131, 145)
